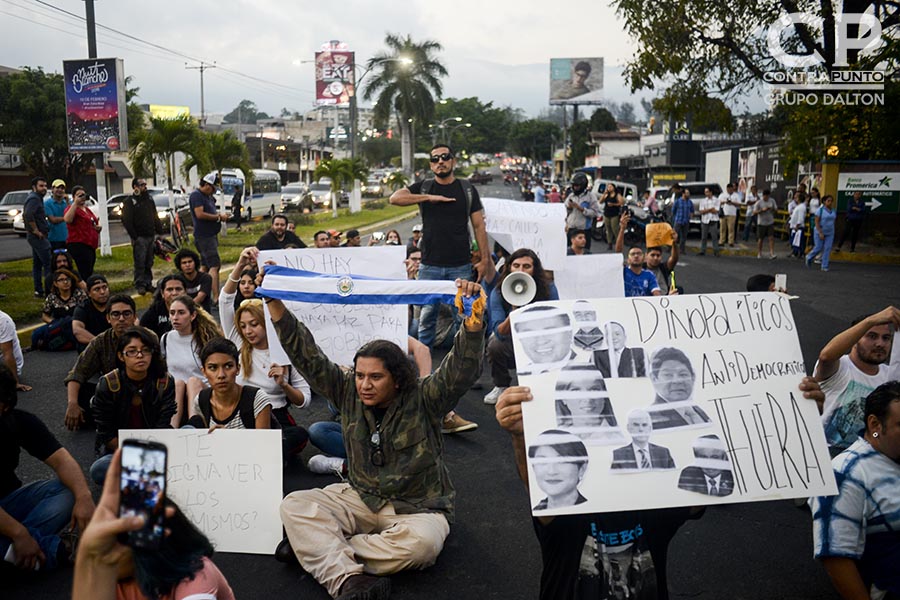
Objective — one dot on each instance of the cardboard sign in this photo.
(340, 329)
(659, 234)
(538, 226)
(668, 401)
(228, 483)
(590, 276)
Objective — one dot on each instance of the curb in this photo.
(836, 257)
(24, 334)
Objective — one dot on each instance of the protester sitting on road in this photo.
(855, 532)
(180, 569)
(138, 394)
(89, 319)
(246, 286)
(63, 260)
(227, 404)
(156, 317)
(198, 285)
(852, 364)
(500, 348)
(573, 558)
(246, 327)
(393, 513)
(762, 282)
(192, 329)
(99, 358)
(33, 517)
(11, 351)
(59, 306)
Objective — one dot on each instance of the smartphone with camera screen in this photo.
(142, 490)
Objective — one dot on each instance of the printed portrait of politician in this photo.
(640, 454)
(710, 473)
(673, 378)
(559, 460)
(588, 334)
(616, 360)
(545, 333)
(583, 406)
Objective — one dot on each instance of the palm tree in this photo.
(397, 180)
(406, 83)
(215, 151)
(339, 172)
(161, 141)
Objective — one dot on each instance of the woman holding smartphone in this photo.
(139, 394)
(180, 568)
(84, 232)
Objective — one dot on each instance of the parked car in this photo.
(19, 220)
(321, 193)
(296, 196)
(696, 188)
(114, 206)
(11, 206)
(373, 188)
(481, 177)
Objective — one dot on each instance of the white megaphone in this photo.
(518, 288)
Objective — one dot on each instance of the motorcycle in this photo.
(639, 218)
(507, 179)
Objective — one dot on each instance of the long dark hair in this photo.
(179, 557)
(157, 367)
(158, 300)
(541, 280)
(395, 362)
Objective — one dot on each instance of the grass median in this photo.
(25, 309)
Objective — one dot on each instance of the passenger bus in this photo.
(265, 194)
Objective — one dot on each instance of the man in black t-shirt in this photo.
(278, 237)
(32, 516)
(89, 319)
(446, 213)
(198, 285)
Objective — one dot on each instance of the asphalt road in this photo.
(742, 551)
(13, 247)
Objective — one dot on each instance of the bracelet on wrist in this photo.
(233, 280)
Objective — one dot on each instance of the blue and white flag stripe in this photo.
(296, 285)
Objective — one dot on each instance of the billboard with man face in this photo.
(576, 80)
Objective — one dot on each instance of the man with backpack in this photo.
(448, 206)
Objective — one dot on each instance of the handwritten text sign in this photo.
(539, 226)
(228, 483)
(340, 329)
(666, 401)
(590, 276)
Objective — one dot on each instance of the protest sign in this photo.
(340, 329)
(656, 402)
(538, 226)
(659, 234)
(228, 483)
(590, 276)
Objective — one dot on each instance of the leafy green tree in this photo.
(380, 150)
(245, 112)
(214, 151)
(135, 114)
(340, 172)
(397, 180)
(406, 89)
(533, 138)
(603, 120)
(33, 116)
(489, 130)
(160, 142)
(579, 142)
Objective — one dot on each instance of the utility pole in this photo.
(203, 67)
(99, 160)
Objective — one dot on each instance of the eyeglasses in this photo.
(444, 157)
(60, 251)
(135, 352)
(63, 280)
(377, 452)
(125, 314)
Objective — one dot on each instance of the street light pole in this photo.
(99, 159)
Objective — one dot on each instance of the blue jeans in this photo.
(44, 508)
(428, 317)
(822, 247)
(749, 222)
(41, 261)
(99, 469)
(682, 229)
(328, 437)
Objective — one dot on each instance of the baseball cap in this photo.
(210, 178)
(58, 182)
(352, 233)
(417, 227)
(94, 280)
(334, 233)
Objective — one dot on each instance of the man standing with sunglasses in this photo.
(141, 221)
(447, 205)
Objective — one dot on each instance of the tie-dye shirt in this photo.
(845, 395)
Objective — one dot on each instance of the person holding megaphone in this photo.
(523, 281)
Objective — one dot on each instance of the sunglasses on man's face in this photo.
(446, 156)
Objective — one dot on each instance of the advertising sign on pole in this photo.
(335, 77)
(576, 80)
(96, 119)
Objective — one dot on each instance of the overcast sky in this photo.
(498, 51)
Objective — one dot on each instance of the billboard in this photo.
(576, 80)
(335, 77)
(96, 119)
(165, 111)
(881, 191)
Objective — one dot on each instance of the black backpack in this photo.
(245, 405)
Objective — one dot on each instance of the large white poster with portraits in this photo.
(656, 402)
(340, 329)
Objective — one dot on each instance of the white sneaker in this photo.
(326, 465)
(493, 395)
